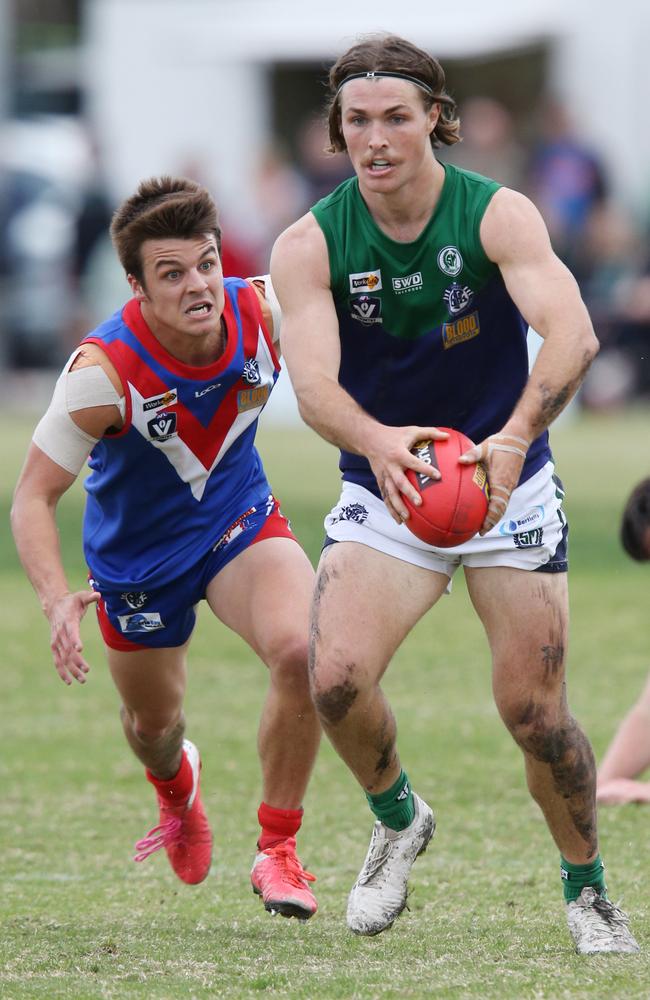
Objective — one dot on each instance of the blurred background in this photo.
(97, 94)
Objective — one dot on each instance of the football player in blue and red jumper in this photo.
(163, 401)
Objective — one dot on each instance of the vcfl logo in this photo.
(162, 426)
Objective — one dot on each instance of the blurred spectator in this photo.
(48, 181)
(322, 170)
(281, 197)
(567, 182)
(489, 145)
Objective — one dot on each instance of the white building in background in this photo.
(173, 78)
(178, 82)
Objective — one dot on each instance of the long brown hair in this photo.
(392, 54)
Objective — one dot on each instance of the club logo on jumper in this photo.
(162, 427)
(158, 402)
(235, 529)
(458, 298)
(251, 399)
(251, 372)
(365, 281)
(351, 512)
(366, 309)
(425, 451)
(203, 392)
(527, 521)
(460, 330)
(528, 539)
(142, 621)
(450, 261)
(135, 599)
(409, 283)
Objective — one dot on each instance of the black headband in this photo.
(373, 74)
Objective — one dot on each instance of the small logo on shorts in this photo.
(525, 522)
(352, 512)
(528, 539)
(142, 621)
(235, 529)
(135, 599)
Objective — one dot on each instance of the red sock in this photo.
(277, 825)
(177, 788)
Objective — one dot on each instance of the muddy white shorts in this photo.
(532, 535)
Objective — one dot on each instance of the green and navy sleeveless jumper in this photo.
(429, 334)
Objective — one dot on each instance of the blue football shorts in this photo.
(165, 616)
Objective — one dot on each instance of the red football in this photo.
(454, 506)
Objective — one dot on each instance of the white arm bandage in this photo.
(274, 305)
(57, 434)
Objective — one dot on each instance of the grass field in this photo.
(486, 919)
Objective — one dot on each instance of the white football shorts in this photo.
(532, 535)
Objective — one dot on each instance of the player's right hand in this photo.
(64, 616)
(389, 454)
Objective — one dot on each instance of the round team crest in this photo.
(251, 373)
(450, 261)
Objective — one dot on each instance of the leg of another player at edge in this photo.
(264, 596)
(365, 604)
(525, 615)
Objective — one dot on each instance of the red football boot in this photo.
(183, 830)
(279, 878)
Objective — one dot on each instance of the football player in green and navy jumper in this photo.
(407, 294)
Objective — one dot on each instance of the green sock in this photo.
(394, 807)
(576, 877)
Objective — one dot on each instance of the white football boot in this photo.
(379, 894)
(598, 926)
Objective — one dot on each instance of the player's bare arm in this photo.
(311, 346)
(42, 483)
(545, 292)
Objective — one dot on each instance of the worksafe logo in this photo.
(450, 261)
(409, 283)
(460, 330)
(365, 281)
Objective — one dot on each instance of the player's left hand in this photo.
(503, 456)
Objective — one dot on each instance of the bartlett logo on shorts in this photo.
(460, 330)
(142, 621)
(365, 281)
(527, 521)
(409, 283)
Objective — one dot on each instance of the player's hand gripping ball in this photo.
(454, 506)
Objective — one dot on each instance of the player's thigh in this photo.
(151, 682)
(365, 604)
(264, 595)
(526, 618)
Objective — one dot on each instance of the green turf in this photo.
(486, 920)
